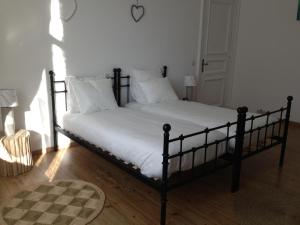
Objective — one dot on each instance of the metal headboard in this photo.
(117, 88)
(164, 71)
(53, 82)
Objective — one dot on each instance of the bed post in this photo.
(239, 143)
(286, 129)
(54, 121)
(119, 71)
(117, 85)
(165, 71)
(164, 181)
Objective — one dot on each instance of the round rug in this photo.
(62, 202)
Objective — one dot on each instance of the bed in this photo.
(136, 138)
(173, 152)
(152, 93)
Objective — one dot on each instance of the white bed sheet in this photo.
(198, 113)
(137, 137)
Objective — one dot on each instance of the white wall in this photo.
(100, 36)
(268, 55)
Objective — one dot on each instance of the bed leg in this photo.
(239, 143)
(55, 137)
(282, 154)
(164, 181)
(163, 207)
(286, 129)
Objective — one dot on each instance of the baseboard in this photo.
(295, 124)
(51, 149)
(42, 151)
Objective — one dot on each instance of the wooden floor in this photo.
(267, 196)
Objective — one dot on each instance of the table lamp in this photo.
(189, 83)
(8, 101)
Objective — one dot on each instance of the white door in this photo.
(216, 50)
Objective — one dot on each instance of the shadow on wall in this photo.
(37, 118)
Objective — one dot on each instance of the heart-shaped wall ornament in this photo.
(137, 12)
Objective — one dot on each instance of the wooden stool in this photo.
(15, 154)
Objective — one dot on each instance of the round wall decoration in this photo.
(68, 9)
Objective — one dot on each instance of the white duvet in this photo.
(198, 113)
(137, 137)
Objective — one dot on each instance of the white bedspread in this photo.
(198, 113)
(137, 137)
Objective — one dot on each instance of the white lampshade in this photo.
(8, 98)
(190, 81)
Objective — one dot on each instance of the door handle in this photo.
(203, 65)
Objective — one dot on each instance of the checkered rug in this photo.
(63, 202)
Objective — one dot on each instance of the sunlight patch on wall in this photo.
(37, 120)
(58, 62)
(56, 28)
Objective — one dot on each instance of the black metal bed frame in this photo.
(234, 157)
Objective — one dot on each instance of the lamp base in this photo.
(189, 94)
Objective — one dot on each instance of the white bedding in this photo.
(137, 137)
(198, 113)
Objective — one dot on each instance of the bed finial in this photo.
(119, 75)
(51, 73)
(167, 127)
(165, 71)
(290, 98)
(243, 109)
(115, 70)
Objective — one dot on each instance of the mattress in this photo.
(137, 137)
(201, 114)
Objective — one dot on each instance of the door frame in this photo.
(227, 99)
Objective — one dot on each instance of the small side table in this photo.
(15, 154)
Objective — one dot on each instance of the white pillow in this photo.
(138, 76)
(86, 96)
(92, 96)
(73, 106)
(158, 90)
(104, 87)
